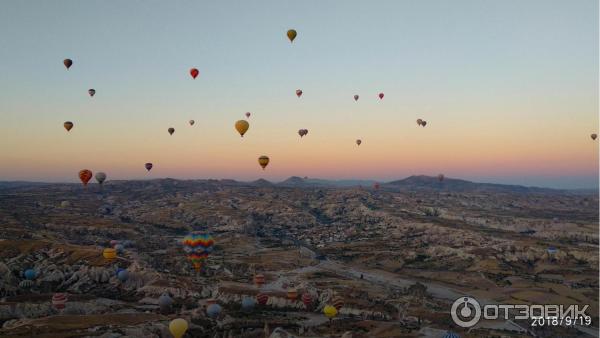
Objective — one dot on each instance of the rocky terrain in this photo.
(395, 258)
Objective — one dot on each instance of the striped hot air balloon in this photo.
(198, 246)
(338, 302)
(292, 294)
(109, 254)
(59, 300)
(262, 298)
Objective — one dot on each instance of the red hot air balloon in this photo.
(306, 299)
(59, 300)
(85, 175)
(194, 72)
(259, 280)
(148, 166)
(380, 96)
(68, 63)
(298, 92)
(262, 298)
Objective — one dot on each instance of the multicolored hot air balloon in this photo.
(259, 280)
(178, 327)
(192, 122)
(356, 97)
(92, 92)
(242, 127)
(85, 175)
(68, 125)
(291, 34)
(358, 142)
(68, 63)
(148, 166)
(298, 92)
(262, 298)
(248, 115)
(198, 246)
(100, 177)
(594, 136)
(194, 72)
(171, 130)
(263, 161)
(381, 96)
(59, 300)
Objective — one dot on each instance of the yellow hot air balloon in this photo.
(263, 161)
(242, 127)
(109, 253)
(330, 311)
(178, 327)
(291, 34)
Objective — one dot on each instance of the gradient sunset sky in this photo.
(509, 89)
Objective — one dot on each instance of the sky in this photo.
(509, 89)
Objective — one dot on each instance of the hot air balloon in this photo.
(355, 97)
(338, 302)
(178, 327)
(59, 300)
(248, 303)
(376, 186)
(381, 96)
(119, 248)
(164, 302)
(68, 125)
(291, 34)
(292, 294)
(123, 275)
(419, 121)
(594, 136)
(213, 310)
(259, 280)
(248, 115)
(358, 142)
(306, 299)
(192, 122)
(440, 177)
(301, 133)
(92, 92)
(85, 175)
(171, 130)
(30, 274)
(148, 166)
(263, 161)
(194, 72)
(109, 254)
(100, 177)
(198, 246)
(298, 92)
(330, 311)
(423, 123)
(68, 63)
(242, 126)
(262, 298)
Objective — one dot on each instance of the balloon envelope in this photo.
(291, 34)
(100, 177)
(59, 300)
(68, 63)
(358, 142)
(263, 161)
(248, 303)
(192, 122)
(593, 136)
(248, 115)
(242, 127)
(148, 166)
(178, 327)
(92, 92)
(68, 125)
(109, 253)
(381, 96)
(123, 275)
(298, 92)
(330, 311)
(213, 310)
(30, 274)
(194, 72)
(171, 130)
(356, 97)
(85, 175)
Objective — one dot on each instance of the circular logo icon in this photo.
(466, 311)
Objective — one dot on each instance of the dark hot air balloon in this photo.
(148, 166)
(194, 72)
(68, 125)
(291, 34)
(263, 161)
(171, 130)
(68, 63)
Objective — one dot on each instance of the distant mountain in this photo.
(423, 182)
(261, 183)
(294, 181)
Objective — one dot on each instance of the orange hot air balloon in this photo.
(194, 72)
(259, 280)
(292, 294)
(109, 254)
(355, 97)
(85, 175)
(242, 127)
(171, 130)
(263, 161)
(291, 34)
(381, 96)
(68, 63)
(298, 92)
(68, 125)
